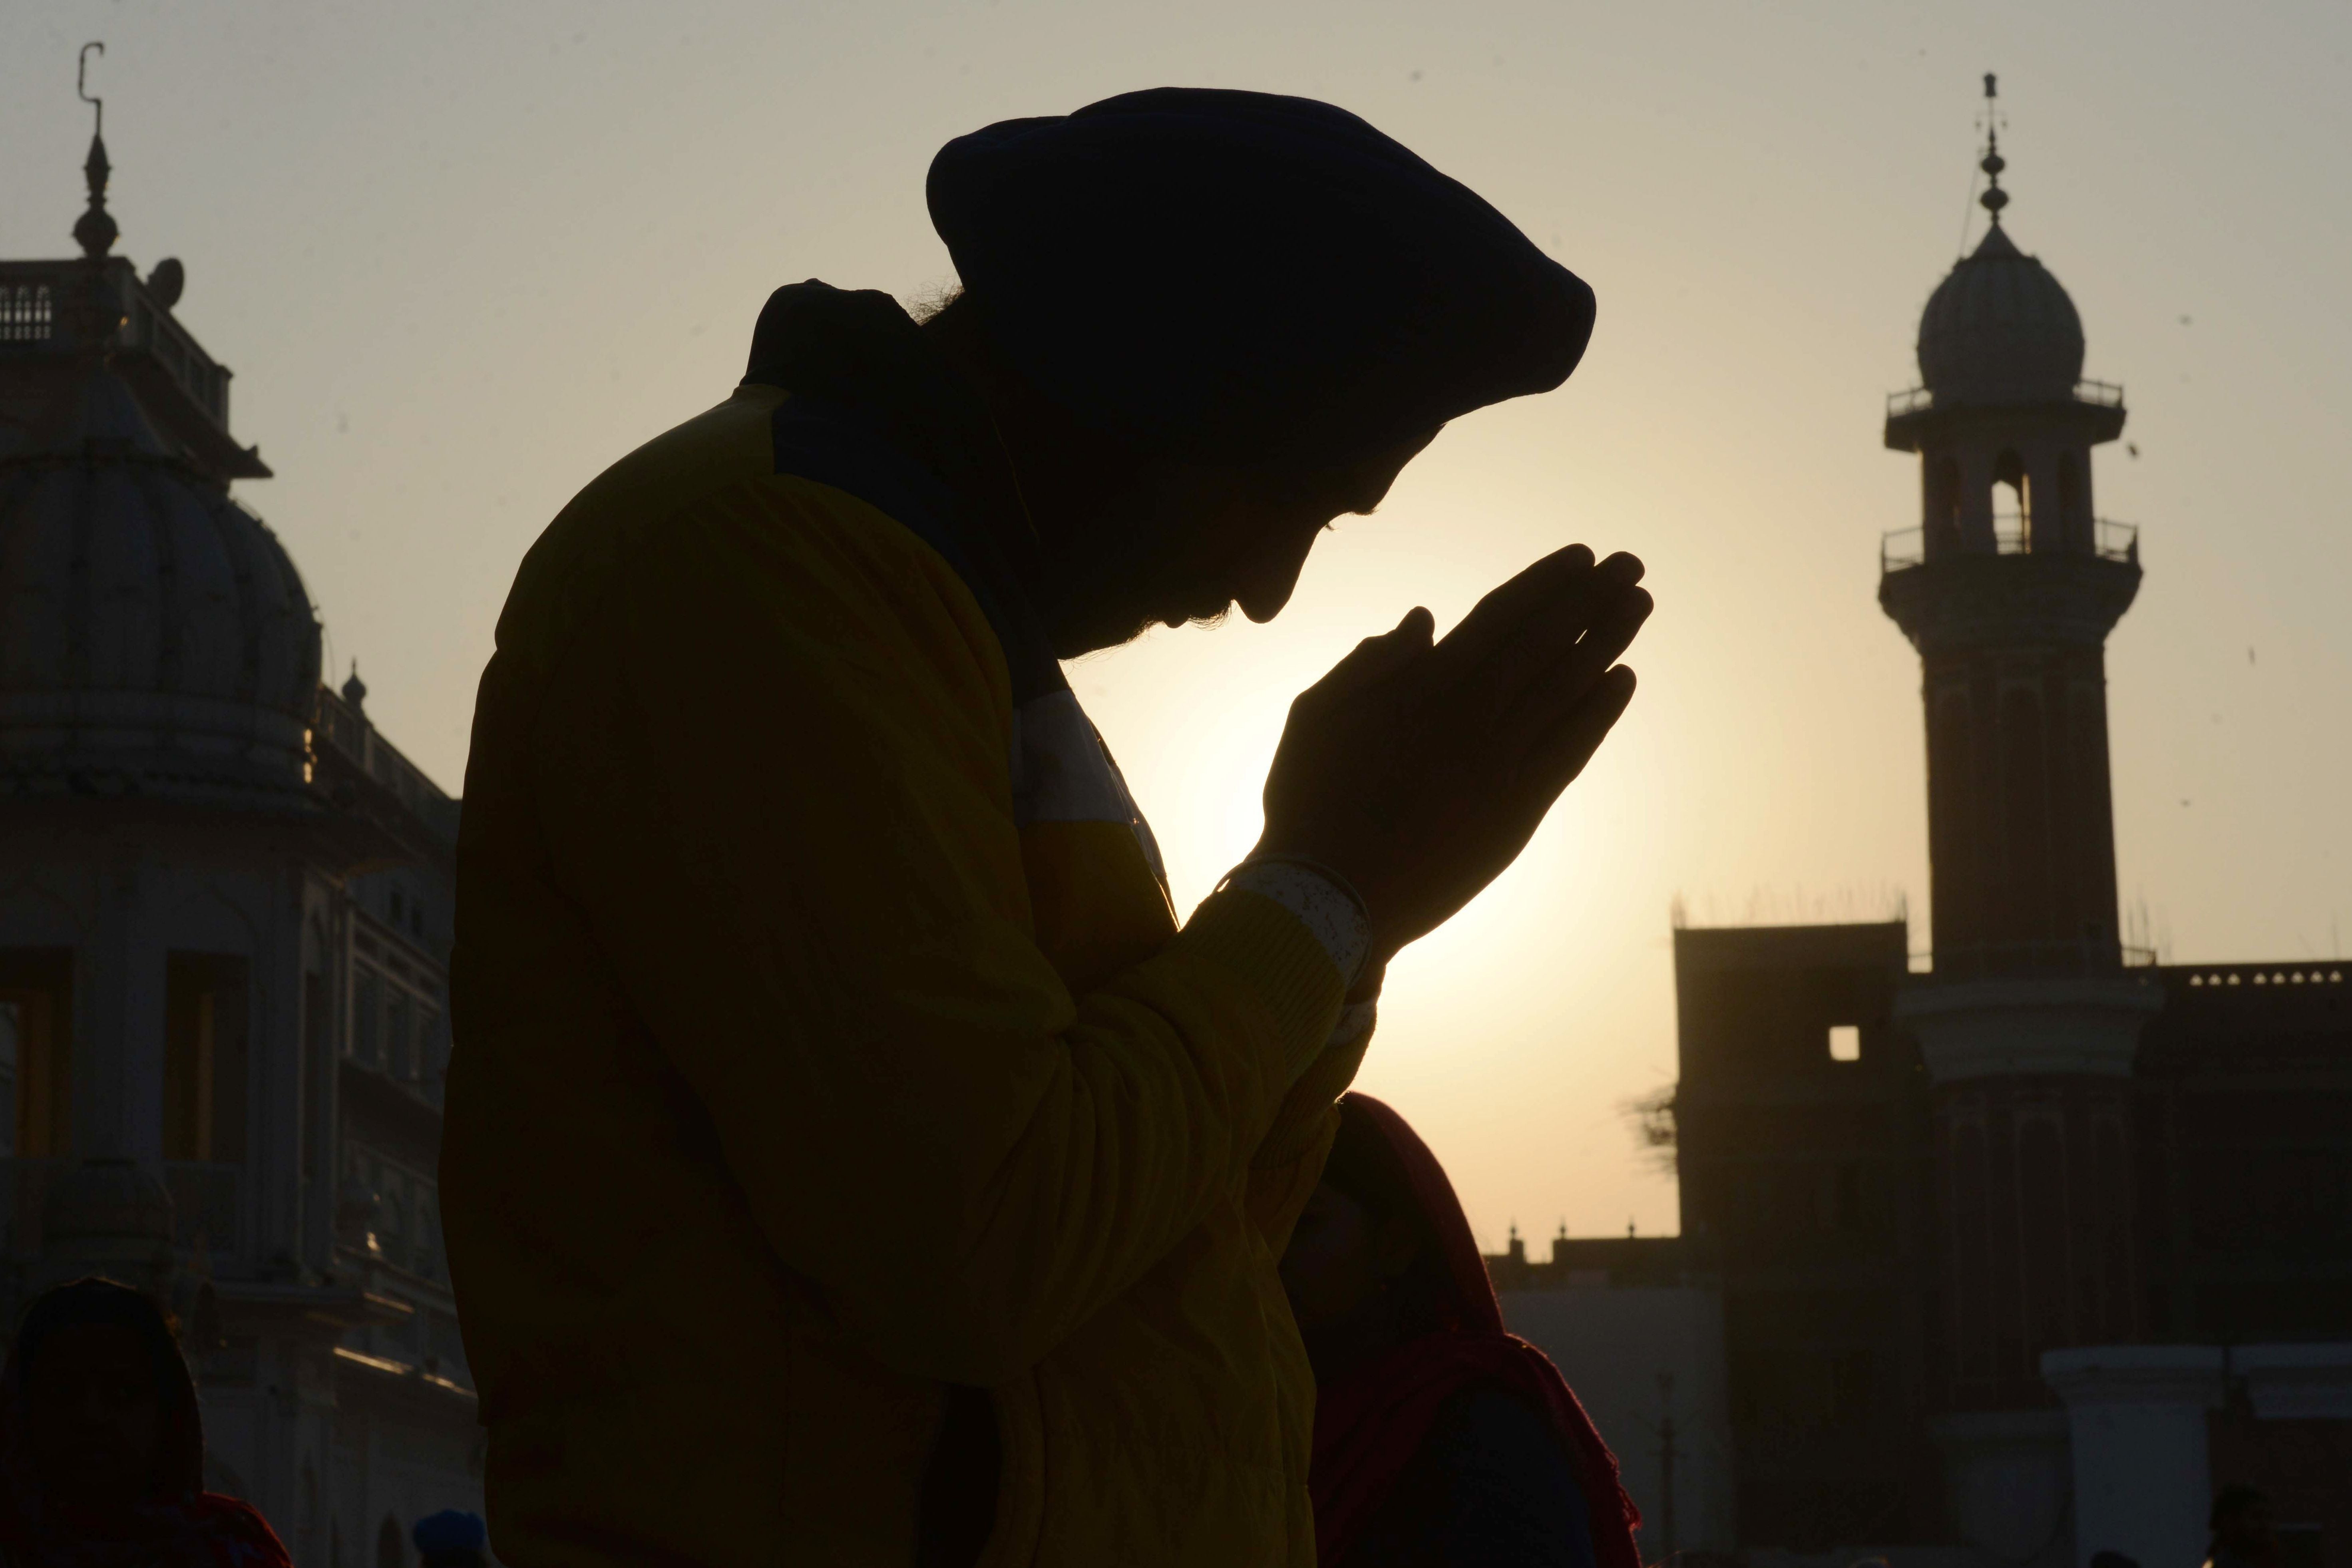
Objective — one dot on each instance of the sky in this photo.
(462, 257)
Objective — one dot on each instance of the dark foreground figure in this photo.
(2244, 1535)
(1441, 1440)
(102, 1448)
(849, 1160)
(452, 1539)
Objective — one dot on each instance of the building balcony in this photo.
(1915, 400)
(2013, 534)
(207, 1200)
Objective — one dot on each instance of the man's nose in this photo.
(1268, 579)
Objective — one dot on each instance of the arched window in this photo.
(2012, 527)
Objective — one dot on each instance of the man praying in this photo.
(851, 1159)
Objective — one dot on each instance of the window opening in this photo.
(203, 1057)
(37, 1021)
(1846, 1042)
(2012, 530)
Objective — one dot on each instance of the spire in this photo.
(94, 230)
(1994, 198)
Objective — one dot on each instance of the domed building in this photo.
(223, 928)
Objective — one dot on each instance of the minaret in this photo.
(2007, 589)
(2031, 1018)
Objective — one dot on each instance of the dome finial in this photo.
(94, 230)
(1994, 198)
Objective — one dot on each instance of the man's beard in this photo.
(1108, 589)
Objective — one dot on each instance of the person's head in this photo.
(1131, 539)
(452, 1539)
(1361, 1269)
(2241, 1521)
(1209, 322)
(107, 1407)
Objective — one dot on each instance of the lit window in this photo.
(1846, 1042)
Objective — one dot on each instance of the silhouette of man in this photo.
(849, 1159)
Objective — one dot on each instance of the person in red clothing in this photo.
(1441, 1440)
(102, 1448)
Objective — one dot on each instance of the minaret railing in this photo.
(1904, 548)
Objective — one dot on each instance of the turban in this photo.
(1237, 277)
(450, 1531)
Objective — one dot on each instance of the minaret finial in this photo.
(1994, 198)
(94, 230)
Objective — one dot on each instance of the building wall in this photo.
(1806, 1177)
(2245, 1112)
(1635, 1357)
(330, 993)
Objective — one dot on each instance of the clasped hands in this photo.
(1418, 770)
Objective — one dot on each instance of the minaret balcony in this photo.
(1920, 399)
(1906, 548)
(1920, 418)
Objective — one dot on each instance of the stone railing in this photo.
(336, 723)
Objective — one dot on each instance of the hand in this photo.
(1419, 771)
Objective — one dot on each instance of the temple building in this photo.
(2026, 1248)
(224, 928)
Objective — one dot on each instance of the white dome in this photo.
(155, 637)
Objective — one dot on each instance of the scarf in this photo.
(1372, 1420)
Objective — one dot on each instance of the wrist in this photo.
(1323, 901)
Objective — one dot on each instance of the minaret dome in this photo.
(2000, 330)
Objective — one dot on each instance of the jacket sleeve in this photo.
(772, 771)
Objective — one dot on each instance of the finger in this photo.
(1543, 702)
(1574, 742)
(1492, 618)
(1560, 640)
(1378, 657)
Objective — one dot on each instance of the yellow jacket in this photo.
(824, 1040)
